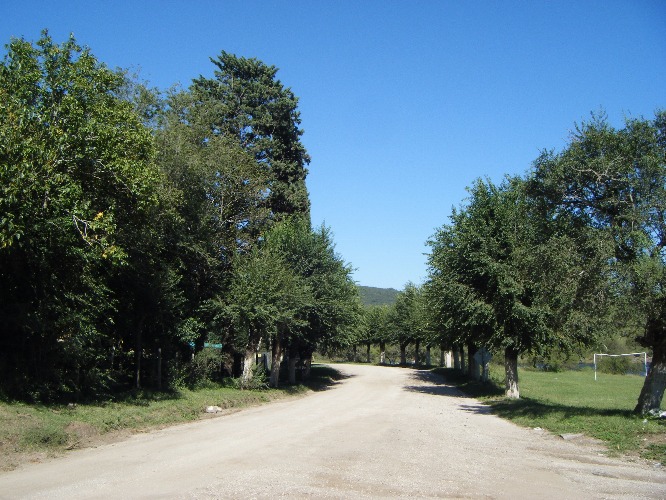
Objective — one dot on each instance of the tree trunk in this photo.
(511, 371)
(237, 366)
(403, 354)
(476, 368)
(368, 353)
(138, 349)
(441, 354)
(382, 352)
(417, 360)
(307, 368)
(293, 361)
(428, 355)
(655, 383)
(248, 359)
(275, 362)
(456, 358)
(354, 351)
(447, 359)
(159, 368)
(471, 349)
(250, 356)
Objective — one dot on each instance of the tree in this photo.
(615, 180)
(246, 102)
(265, 300)
(375, 328)
(76, 172)
(406, 320)
(519, 281)
(332, 317)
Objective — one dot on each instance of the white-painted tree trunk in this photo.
(382, 353)
(447, 359)
(417, 347)
(276, 361)
(652, 391)
(248, 361)
(511, 373)
(456, 358)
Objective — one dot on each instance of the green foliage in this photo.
(75, 171)
(509, 276)
(617, 366)
(206, 367)
(246, 102)
(376, 326)
(615, 181)
(132, 223)
(331, 317)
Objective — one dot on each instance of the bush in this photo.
(206, 367)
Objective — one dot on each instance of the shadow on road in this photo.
(325, 377)
(479, 409)
(428, 383)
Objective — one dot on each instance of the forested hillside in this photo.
(373, 296)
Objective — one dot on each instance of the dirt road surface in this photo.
(380, 433)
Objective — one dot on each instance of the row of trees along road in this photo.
(136, 224)
(559, 259)
(556, 262)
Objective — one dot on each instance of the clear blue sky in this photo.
(403, 103)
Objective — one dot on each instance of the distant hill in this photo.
(372, 296)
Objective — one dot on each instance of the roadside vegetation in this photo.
(572, 402)
(140, 229)
(565, 261)
(32, 432)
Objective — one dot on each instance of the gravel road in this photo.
(379, 433)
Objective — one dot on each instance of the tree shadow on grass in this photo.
(452, 383)
(534, 409)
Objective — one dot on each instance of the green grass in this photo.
(573, 402)
(29, 432)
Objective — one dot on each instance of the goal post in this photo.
(634, 354)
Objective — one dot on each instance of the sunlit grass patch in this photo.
(572, 402)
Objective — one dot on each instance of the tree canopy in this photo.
(615, 180)
(137, 227)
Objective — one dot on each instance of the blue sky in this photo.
(403, 103)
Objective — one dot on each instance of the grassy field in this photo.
(573, 402)
(33, 432)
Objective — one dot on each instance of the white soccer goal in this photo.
(633, 354)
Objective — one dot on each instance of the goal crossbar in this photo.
(644, 354)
